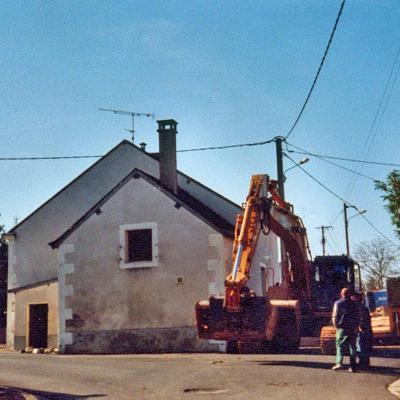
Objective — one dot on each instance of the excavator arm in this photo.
(247, 231)
(240, 314)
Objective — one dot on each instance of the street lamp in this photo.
(346, 223)
(301, 162)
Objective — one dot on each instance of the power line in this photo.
(337, 216)
(178, 151)
(346, 169)
(319, 70)
(320, 183)
(343, 200)
(228, 146)
(305, 152)
(377, 230)
(333, 239)
(46, 158)
(340, 166)
(341, 158)
(380, 111)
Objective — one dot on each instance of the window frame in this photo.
(123, 241)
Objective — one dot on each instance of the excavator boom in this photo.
(240, 314)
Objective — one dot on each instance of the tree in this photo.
(391, 188)
(3, 277)
(378, 259)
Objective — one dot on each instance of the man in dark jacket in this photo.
(346, 319)
(365, 335)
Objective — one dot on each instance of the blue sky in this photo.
(228, 71)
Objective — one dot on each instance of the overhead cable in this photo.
(337, 216)
(228, 146)
(178, 151)
(377, 230)
(320, 183)
(380, 111)
(343, 200)
(342, 158)
(339, 166)
(334, 241)
(45, 158)
(319, 70)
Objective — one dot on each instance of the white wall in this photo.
(266, 256)
(105, 297)
(36, 261)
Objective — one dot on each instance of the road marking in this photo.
(205, 391)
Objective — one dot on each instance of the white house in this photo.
(116, 260)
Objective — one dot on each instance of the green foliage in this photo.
(391, 196)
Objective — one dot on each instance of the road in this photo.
(197, 376)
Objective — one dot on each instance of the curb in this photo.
(394, 388)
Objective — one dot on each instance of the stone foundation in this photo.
(151, 340)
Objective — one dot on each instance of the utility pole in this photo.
(346, 223)
(346, 228)
(279, 166)
(281, 190)
(323, 240)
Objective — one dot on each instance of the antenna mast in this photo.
(132, 114)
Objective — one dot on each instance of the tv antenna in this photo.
(133, 114)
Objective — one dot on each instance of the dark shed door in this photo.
(38, 324)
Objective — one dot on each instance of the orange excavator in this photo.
(273, 320)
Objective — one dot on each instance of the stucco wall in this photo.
(36, 262)
(44, 294)
(265, 264)
(10, 319)
(110, 307)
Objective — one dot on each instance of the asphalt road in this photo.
(197, 376)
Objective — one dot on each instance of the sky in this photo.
(230, 72)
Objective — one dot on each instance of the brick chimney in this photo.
(167, 147)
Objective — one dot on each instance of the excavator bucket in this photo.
(273, 323)
(215, 322)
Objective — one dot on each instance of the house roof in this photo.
(182, 198)
(33, 285)
(12, 230)
(155, 156)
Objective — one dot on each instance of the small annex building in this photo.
(115, 261)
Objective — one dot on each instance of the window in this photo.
(139, 245)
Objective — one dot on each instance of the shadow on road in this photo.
(13, 393)
(379, 351)
(388, 371)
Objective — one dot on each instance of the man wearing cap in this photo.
(346, 319)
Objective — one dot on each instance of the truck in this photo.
(298, 306)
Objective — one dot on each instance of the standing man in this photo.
(365, 335)
(346, 319)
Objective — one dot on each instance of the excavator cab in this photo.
(331, 274)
